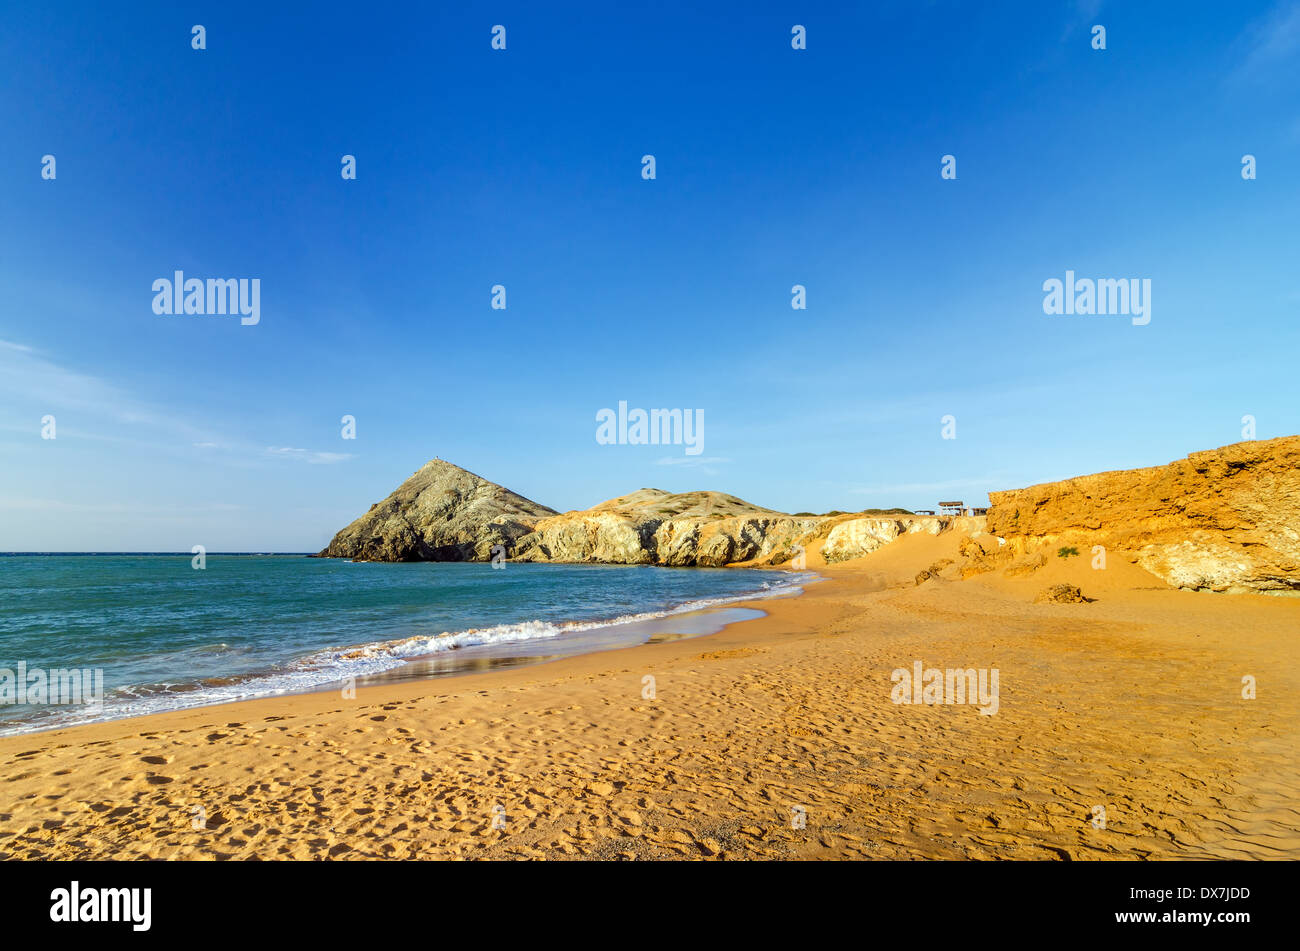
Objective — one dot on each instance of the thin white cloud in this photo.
(692, 461)
(152, 510)
(307, 455)
(907, 488)
(1084, 15)
(1268, 43)
(27, 376)
(88, 407)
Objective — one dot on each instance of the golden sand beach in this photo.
(776, 739)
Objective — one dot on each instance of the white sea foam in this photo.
(324, 668)
(404, 649)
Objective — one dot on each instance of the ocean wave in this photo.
(322, 669)
(403, 650)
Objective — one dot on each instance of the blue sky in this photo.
(522, 167)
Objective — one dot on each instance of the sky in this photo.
(522, 167)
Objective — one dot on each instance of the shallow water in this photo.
(167, 636)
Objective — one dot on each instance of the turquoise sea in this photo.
(166, 635)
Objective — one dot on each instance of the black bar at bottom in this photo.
(655, 902)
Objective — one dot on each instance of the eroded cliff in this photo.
(1223, 520)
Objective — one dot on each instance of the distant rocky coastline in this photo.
(1223, 520)
(445, 513)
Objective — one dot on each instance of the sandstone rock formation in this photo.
(706, 529)
(1223, 520)
(854, 537)
(1062, 594)
(934, 571)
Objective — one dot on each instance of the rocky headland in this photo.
(444, 513)
(1223, 520)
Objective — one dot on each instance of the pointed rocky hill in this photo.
(441, 513)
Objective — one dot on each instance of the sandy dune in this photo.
(1132, 702)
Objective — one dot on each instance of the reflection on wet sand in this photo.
(504, 655)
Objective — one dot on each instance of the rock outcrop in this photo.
(441, 513)
(1222, 520)
(856, 536)
(703, 529)
(1062, 594)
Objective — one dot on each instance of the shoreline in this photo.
(490, 645)
(419, 684)
(1109, 704)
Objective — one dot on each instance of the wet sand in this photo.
(775, 738)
